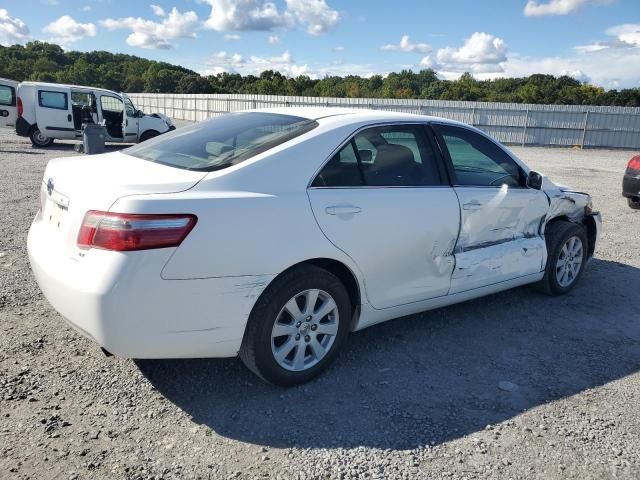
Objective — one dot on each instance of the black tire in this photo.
(635, 205)
(148, 134)
(556, 236)
(38, 139)
(256, 350)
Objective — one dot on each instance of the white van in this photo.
(46, 111)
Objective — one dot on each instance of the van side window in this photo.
(57, 100)
(7, 96)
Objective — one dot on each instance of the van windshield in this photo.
(222, 141)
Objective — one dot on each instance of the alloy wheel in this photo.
(569, 261)
(305, 330)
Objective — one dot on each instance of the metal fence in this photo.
(511, 123)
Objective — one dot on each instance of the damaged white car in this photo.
(273, 234)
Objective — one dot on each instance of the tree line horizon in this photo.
(47, 62)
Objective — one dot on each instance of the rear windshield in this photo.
(222, 141)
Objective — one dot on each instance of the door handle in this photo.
(472, 205)
(69, 117)
(342, 210)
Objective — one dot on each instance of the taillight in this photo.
(634, 163)
(20, 107)
(125, 232)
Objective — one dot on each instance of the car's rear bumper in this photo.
(120, 301)
(631, 186)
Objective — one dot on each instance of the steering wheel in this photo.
(499, 178)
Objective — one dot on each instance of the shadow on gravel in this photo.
(428, 378)
(69, 147)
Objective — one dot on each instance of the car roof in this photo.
(64, 85)
(346, 116)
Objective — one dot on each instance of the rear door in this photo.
(381, 199)
(54, 113)
(8, 99)
(500, 217)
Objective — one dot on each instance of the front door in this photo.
(500, 235)
(8, 103)
(112, 113)
(382, 201)
(54, 113)
(131, 121)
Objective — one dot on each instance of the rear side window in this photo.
(58, 100)
(7, 96)
(222, 141)
(389, 156)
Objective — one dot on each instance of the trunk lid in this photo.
(73, 185)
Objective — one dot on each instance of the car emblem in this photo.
(50, 186)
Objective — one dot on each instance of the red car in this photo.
(631, 183)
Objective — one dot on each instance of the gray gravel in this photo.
(515, 385)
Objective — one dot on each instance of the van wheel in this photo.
(297, 326)
(148, 134)
(38, 139)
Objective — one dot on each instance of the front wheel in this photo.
(38, 139)
(297, 326)
(567, 255)
(148, 134)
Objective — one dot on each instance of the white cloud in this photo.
(86, 8)
(628, 33)
(245, 15)
(427, 62)
(405, 45)
(156, 35)
(158, 10)
(232, 36)
(254, 65)
(339, 48)
(534, 8)
(274, 40)
(12, 29)
(480, 53)
(316, 14)
(66, 30)
(262, 15)
(50, 3)
(624, 36)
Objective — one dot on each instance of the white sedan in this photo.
(273, 234)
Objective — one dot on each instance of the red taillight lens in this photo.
(634, 163)
(20, 107)
(125, 232)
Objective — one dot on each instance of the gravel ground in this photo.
(515, 385)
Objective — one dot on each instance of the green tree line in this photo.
(47, 62)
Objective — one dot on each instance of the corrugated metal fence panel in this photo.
(563, 125)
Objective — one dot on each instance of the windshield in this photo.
(222, 141)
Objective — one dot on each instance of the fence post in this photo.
(228, 101)
(473, 116)
(526, 124)
(584, 128)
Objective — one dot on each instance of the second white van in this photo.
(47, 111)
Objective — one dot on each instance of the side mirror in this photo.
(534, 180)
(139, 114)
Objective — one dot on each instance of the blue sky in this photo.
(593, 40)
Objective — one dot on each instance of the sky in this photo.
(595, 41)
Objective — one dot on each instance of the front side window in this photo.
(477, 161)
(7, 96)
(58, 100)
(111, 104)
(389, 156)
(131, 110)
(222, 141)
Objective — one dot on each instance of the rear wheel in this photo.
(567, 249)
(635, 204)
(297, 326)
(38, 139)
